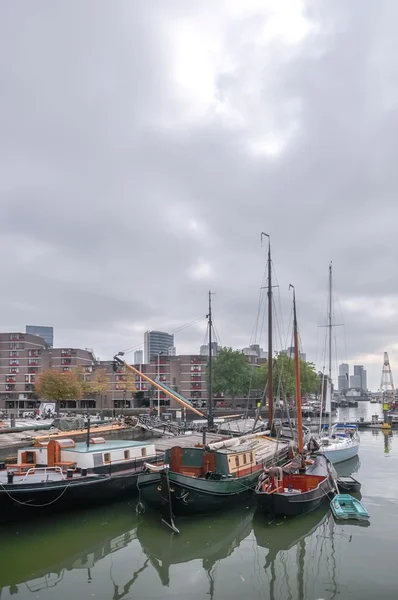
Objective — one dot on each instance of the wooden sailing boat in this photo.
(300, 486)
(210, 477)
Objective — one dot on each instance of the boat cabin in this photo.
(99, 453)
(210, 464)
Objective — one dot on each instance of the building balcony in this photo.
(10, 387)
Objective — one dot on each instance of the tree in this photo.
(100, 384)
(230, 373)
(84, 379)
(58, 386)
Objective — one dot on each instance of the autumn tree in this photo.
(100, 384)
(58, 386)
(84, 379)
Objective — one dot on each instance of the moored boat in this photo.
(345, 507)
(62, 474)
(337, 443)
(205, 479)
(303, 485)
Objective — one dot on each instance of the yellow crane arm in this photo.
(159, 386)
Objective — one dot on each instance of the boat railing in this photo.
(46, 471)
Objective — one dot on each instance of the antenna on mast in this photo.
(270, 353)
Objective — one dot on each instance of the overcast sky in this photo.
(144, 146)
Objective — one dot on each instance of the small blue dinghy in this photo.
(346, 507)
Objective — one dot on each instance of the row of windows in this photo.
(107, 455)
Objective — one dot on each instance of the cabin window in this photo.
(107, 457)
(251, 456)
(244, 459)
(143, 451)
(127, 454)
(237, 461)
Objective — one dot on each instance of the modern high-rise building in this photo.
(344, 369)
(360, 375)
(343, 378)
(157, 342)
(47, 333)
(355, 381)
(138, 357)
(204, 350)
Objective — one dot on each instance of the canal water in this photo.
(112, 554)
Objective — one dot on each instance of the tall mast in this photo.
(270, 354)
(297, 370)
(210, 379)
(330, 347)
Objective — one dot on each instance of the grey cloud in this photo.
(91, 175)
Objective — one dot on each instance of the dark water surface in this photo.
(110, 553)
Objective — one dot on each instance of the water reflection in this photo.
(211, 541)
(109, 552)
(41, 553)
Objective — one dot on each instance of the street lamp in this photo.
(159, 353)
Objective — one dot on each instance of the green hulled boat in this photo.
(204, 479)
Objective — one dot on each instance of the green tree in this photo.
(58, 386)
(284, 377)
(231, 373)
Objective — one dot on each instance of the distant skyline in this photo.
(146, 145)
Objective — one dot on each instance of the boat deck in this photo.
(184, 441)
(39, 476)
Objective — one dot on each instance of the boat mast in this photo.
(270, 354)
(329, 388)
(297, 370)
(210, 379)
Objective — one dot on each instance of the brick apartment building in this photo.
(23, 356)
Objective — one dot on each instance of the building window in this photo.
(10, 387)
(66, 352)
(33, 361)
(14, 354)
(14, 362)
(14, 336)
(30, 378)
(66, 361)
(65, 369)
(127, 454)
(11, 379)
(33, 353)
(14, 346)
(32, 369)
(14, 370)
(107, 457)
(88, 369)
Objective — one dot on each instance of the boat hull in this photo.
(191, 495)
(294, 505)
(18, 500)
(339, 455)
